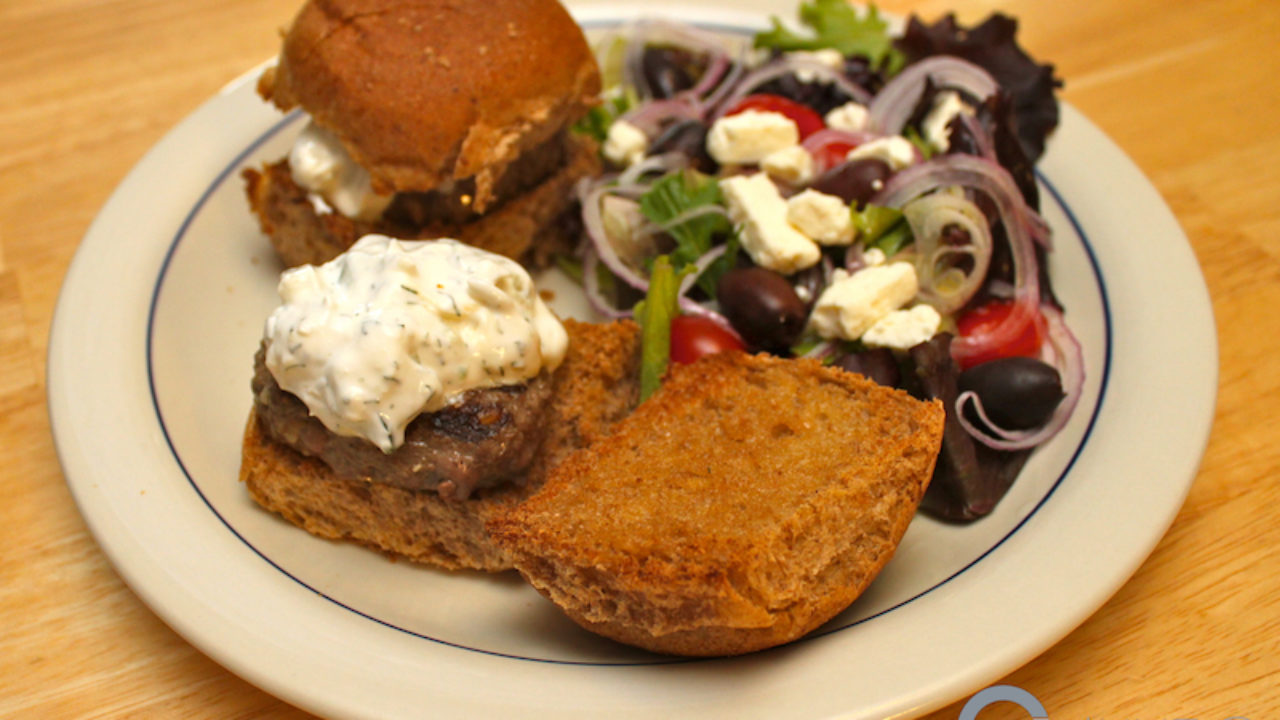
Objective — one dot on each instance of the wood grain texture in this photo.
(1187, 88)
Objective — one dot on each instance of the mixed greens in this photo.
(842, 194)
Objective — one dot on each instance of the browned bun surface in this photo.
(595, 386)
(426, 91)
(747, 502)
(528, 226)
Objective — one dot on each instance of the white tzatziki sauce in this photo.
(391, 329)
(320, 164)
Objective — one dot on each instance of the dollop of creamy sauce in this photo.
(391, 329)
(321, 165)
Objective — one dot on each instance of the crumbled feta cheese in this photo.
(625, 144)
(904, 329)
(749, 136)
(792, 165)
(853, 303)
(827, 57)
(896, 151)
(946, 106)
(873, 256)
(755, 204)
(825, 218)
(850, 117)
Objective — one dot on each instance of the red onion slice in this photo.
(1065, 354)
(591, 288)
(786, 65)
(983, 176)
(895, 102)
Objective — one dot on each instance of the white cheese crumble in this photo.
(827, 57)
(824, 218)
(749, 136)
(320, 164)
(896, 151)
(853, 303)
(904, 329)
(625, 144)
(946, 106)
(755, 204)
(792, 165)
(391, 329)
(850, 117)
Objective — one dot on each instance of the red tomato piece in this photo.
(694, 336)
(978, 324)
(832, 154)
(807, 121)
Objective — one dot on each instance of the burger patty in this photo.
(524, 223)
(488, 438)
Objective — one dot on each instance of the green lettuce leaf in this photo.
(836, 24)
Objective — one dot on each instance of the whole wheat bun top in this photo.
(425, 91)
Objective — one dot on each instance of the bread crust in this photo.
(527, 227)
(427, 91)
(595, 386)
(746, 503)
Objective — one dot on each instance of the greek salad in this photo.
(837, 192)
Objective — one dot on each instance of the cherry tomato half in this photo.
(694, 336)
(979, 322)
(807, 121)
(832, 154)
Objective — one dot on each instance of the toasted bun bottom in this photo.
(418, 525)
(527, 227)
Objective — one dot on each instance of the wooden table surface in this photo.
(1187, 88)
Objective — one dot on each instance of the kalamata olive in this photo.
(762, 306)
(854, 182)
(1017, 393)
(664, 71)
(688, 137)
(876, 363)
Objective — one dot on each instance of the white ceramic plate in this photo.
(149, 366)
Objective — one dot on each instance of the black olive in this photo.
(854, 182)
(1017, 393)
(876, 363)
(664, 71)
(762, 306)
(690, 138)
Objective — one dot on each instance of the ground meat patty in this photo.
(487, 439)
(523, 223)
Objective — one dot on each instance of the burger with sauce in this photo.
(406, 391)
(431, 118)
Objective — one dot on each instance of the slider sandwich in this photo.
(434, 118)
(404, 392)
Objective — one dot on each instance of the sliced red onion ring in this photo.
(593, 224)
(983, 176)
(929, 216)
(895, 102)
(786, 65)
(591, 287)
(700, 267)
(1065, 354)
(663, 163)
(650, 116)
(986, 147)
(822, 350)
